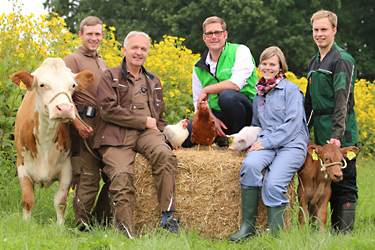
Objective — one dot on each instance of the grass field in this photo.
(41, 232)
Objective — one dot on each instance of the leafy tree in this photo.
(256, 23)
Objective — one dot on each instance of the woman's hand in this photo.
(256, 146)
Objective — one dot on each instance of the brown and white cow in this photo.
(42, 130)
(323, 165)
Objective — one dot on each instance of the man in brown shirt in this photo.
(131, 106)
(86, 167)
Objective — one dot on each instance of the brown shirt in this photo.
(140, 102)
(81, 60)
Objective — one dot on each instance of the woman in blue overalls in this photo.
(280, 148)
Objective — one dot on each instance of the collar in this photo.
(208, 57)
(126, 73)
(333, 46)
(281, 84)
(88, 53)
(205, 58)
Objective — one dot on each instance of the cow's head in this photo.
(54, 84)
(331, 159)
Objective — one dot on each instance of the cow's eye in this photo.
(75, 85)
(41, 85)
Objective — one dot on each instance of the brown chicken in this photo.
(203, 127)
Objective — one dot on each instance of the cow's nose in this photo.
(338, 177)
(64, 110)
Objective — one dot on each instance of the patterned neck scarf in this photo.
(264, 87)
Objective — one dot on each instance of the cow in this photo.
(42, 131)
(323, 165)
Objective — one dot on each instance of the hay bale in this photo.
(208, 195)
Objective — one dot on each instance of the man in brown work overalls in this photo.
(86, 167)
(131, 106)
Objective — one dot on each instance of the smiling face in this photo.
(91, 37)
(270, 67)
(215, 43)
(323, 33)
(136, 51)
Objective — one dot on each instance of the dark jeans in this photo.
(236, 113)
(346, 190)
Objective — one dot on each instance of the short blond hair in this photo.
(214, 19)
(90, 21)
(272, 51)
(332, 17)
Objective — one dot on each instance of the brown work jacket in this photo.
(117, 113)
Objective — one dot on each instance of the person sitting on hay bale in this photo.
(281, 146)
(130, 101)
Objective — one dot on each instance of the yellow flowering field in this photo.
(28, 40)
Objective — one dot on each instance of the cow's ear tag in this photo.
(350, 155)
(22, 85)
(314, 155)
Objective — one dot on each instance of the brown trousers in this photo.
(119, 167)
(88, 186)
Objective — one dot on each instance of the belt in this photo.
(329, 112)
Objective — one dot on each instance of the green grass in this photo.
(41, 232)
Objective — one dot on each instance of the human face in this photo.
(215, 43)
(270, 67)
(91, 37)
(323, 33)
(136, 51)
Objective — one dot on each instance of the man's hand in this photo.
(83, 131)
(202, 97)
(256, 146)
(335, 141)
(151, 123)
(219, 125)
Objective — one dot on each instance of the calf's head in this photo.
(54, 84)
(332, 159)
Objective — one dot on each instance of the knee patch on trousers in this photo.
(163, 160)
(121, 190)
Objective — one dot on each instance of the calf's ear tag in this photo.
(314, 155)
(350, 155)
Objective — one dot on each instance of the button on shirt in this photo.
(281, 115)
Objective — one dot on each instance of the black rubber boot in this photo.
(249, 201)
(276, 217)
(334, 216)
(343, 217)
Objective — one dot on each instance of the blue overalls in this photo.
(281, 115)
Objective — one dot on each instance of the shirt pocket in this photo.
(123, 88)
(277, 108)
(138, 106)
(323, 83)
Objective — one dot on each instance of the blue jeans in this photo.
(281, 165)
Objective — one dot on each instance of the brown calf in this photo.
(314, 188)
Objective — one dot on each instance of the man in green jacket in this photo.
(225, 76)
(329, 105)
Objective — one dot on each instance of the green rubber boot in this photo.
(276, 217)
(249, 202)
(343, 217)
